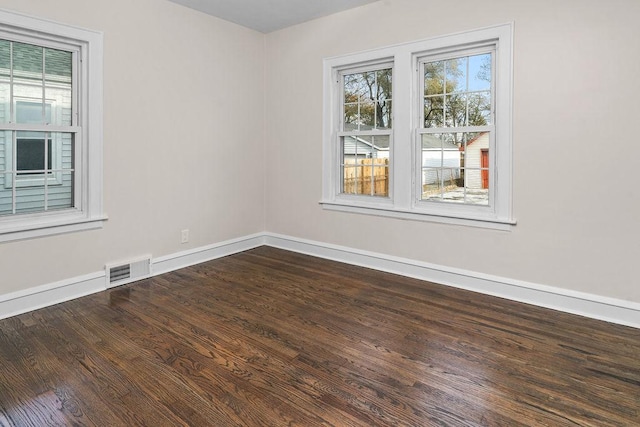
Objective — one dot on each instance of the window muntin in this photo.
(366, 124)
(457, 127)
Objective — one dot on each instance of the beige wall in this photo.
(192, 154)
(183, 137)
(576, 109)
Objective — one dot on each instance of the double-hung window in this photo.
(443, 152)
(50, 127)
(365, 130)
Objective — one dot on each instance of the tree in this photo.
(457, 93)
(367, 98)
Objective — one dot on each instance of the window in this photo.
(443, 152)
(50, 128)
(365, 131)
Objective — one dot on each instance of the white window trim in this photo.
(88, 212)
(404, 199)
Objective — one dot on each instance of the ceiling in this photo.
(270, 15)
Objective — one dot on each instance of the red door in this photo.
(484, 164)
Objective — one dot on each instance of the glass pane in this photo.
(58, 84)
(58, 65)
(358, 86)
(33, 112)
(30, 198)
(351, 117)
(5, 72)
(381, 178)
(434, 78)
(455, 110)
(383, 114)
(456, 75)
(431, 184)
(367, 115)
(480, 72)
(63, 147)
(434, 112)
(480, 109)
(367, 100)
(365, 146)
(456, 167)
(30, 156)
(466, 85)
(380, 146)
(60, 195)
(27, 72)
(27, 61)
(350, 177)
(384, 84)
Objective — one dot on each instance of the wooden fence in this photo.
(366, 176)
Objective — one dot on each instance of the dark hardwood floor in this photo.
(273, 338)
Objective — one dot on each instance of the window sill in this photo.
(493, 223)
(12, 229)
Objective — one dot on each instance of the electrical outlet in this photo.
(184, 236)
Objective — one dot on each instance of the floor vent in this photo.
(127, 272)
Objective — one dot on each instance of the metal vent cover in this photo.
(129, 271)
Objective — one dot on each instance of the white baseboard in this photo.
(50, 294)
(53, 293)
(583, 304)
(589, 305)
(184, 259)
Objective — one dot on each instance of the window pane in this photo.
(455, 167)
(434, 78)
(456, 75)
(455, 110)
(350, 177)
(434, 112)
(431, 184)
(58, 84)
(32, 112)
(480, 72)
(31, 154)
(30, 199)
(27, 61)
(458, 92)
(480, 109)
(27, 72)
(381, 177)
(60, 196)
(365, 176)
(351, 116)
(367, 115)
(367, 100)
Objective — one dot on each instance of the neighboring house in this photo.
(36, 98)
(440, 161)
(365, 147)
(476, 162)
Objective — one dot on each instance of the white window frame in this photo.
(405, 169)
(87, 212)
